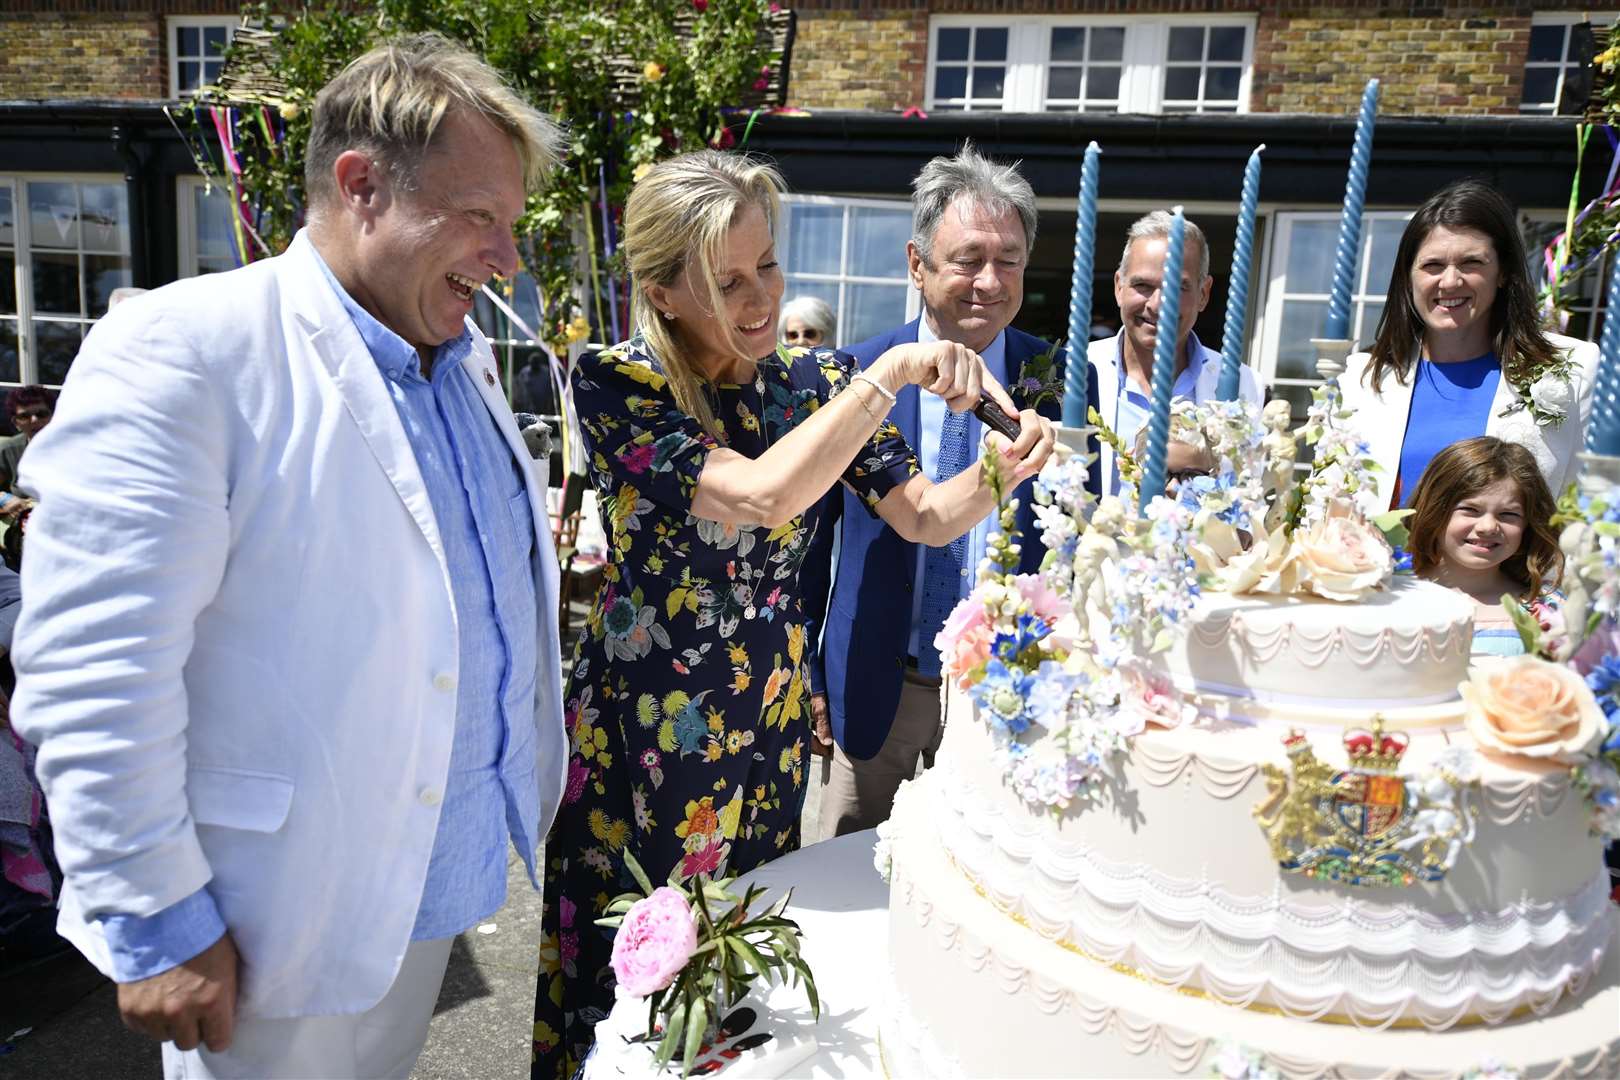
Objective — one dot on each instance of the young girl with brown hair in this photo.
(1483, 526)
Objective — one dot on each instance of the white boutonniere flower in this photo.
(1551, 398)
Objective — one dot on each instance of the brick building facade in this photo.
(1177, 92)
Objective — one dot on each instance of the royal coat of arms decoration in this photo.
(1366, 824)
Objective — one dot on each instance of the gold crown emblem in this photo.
(1374, 751)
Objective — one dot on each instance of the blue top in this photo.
(479, 500)
(931, 418)
(1449, 402)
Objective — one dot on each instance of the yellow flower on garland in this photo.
(652, 71)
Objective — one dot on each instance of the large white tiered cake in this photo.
(1312, 873)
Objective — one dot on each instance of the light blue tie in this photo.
(942, 577)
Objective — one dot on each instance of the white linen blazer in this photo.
(1104, 356)
(1381, 417)
(238, 650)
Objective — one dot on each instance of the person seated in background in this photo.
(1187, 455)
(1483, 526)
(808, 321)
(30, 410)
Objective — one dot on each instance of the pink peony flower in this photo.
(968, 653)
(656, 939)
(1156, 700)
(700, 6)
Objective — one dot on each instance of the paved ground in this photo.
(480, 1029)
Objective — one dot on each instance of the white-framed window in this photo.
(64, 247)
(207, 239)
(1301, 276)
(852, 254)
(197, 51)
(1584, 293)
(1090, 63)
(1552, 58)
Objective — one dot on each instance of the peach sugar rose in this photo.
(1531, 708)
(1342, 557)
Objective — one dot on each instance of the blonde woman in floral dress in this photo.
(688, 707)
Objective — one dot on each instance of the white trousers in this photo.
(382, 1042)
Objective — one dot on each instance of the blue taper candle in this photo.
(1355, 195)
(1603, 430)
(1237, 286)
(1085, 242)
(1164, 363)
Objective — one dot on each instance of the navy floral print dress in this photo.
(688, 706)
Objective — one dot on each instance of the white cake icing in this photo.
(1398, 650)
(1130, 936)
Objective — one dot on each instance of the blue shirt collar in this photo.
(1186, 383)
(395, 357)
(994, 353)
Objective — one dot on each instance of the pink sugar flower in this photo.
(656, 939)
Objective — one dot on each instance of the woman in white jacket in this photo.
(1460, 351)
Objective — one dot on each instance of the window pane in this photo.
(1063, 82)
(1310, 257)
(815, 239)
(214, 40)
(872, 309)
(8, 227)
(103, 274)
(211, 70)
(1186, 43)
(1370, 314)
(53, 214)
(57, 344)
(10, 367)
(106, 217)
(1540, 86)
(56, 283)
(1226, 42)
(990, 43)
(1102, 83)
(1221, 83)
(8, 283)
(186, 41)
(212, 212)
(1068, 43)
(1546, 43)
(953, 43)
(878, 242)
(1181, 84)
(1108, 43)
(988, 82)
(1386, 238)
(950, 82)
(188, 79)
(1301, 321)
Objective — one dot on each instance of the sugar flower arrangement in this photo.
(693, 949)
(1561, 702)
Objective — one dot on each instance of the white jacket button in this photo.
(444, 683)
(428, 797)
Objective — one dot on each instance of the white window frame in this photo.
(842, 278)
(197, 22)
(1279, 236)
(23, 246)
(1565, 19)
(186, 222)
(1141, 84)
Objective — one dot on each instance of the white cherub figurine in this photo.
(1281, 450)
(1444, 819)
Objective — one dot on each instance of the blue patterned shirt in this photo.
(476, 488)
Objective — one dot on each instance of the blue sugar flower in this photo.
(1027, 632)
(1403, 561)
(1604, 680)
(1002, 695)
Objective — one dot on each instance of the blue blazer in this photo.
(867, 622)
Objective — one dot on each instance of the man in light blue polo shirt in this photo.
(1124, 362)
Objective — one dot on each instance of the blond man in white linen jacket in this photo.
(246, 653)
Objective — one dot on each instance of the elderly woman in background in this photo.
(1460, 351)
(807, 321)
(688, 707)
